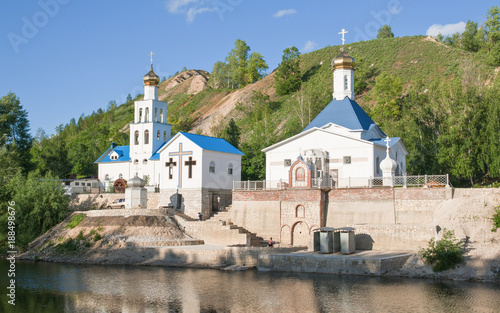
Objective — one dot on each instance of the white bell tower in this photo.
(149, 129)
(343, 66)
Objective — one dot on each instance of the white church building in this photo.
(341, 147)
(192, 172)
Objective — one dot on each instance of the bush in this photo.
(80, 236)
(68, 246)
(496, 219)
(75, 221)
(97, 237)
(445, 253)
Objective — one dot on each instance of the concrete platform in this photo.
(375, 263)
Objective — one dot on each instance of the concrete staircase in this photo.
(252, 239)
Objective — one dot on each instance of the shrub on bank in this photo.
(445, 253)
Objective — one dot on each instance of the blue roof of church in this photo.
(156, 155)
(123, 155)
(346, 113)
(213, 144)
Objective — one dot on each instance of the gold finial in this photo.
(151, 55)
(343, 32)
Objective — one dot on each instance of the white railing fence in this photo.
(350, 182)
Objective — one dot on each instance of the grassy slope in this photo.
(417, 60)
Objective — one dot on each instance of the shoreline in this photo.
(362, 263)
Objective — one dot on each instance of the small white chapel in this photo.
(191, 172)
(341, 147)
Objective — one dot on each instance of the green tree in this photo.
(492, 25)
(14, 128)
(385, 32)
(471, 40)
(51, 154)
(288, 78)
(238, 70)
(256, 67)
(237, 61)
(387, 92)
(39, 204)
(232, 133)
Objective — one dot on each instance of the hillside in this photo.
(426, 67)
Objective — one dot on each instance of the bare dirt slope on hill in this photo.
(224, 107)
(189, 82)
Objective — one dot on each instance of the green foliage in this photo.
(239, 69)
(77, 218)
(492, 25)
(385, 32)
(496, 219)
(445, 253)
(68, 247)
(387, 92)
(51, 155)
(471, 38)
(288, 77)
(92, 232)
(14, 128)
(232, 133)
(96, 237)
(80, 236)
(40, 204)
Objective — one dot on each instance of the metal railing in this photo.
(429, 181)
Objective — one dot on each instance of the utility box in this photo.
(347, 242)
(324, 240)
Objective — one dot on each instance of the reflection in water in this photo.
(47, 287)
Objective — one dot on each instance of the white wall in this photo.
(361, 153)
(220, 179)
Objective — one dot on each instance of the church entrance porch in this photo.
(193, 201)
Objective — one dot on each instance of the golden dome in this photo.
(151, 79)
(343, 60)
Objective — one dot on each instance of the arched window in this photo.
(146, 137)
(396, 156)
(300, 211)
(165, 136)
(140, 115)
(146, 118)
(120, 176)
(136, 137)
(161, 115)
(377, 165)
(136, 162)
(211, 168)
(230, 169)
(401, 168)
(158, 135)
(145, 161)
(106, 177)
(346, 84)
(156, 114)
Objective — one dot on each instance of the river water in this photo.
(51, 287)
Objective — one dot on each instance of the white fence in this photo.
(396, 181)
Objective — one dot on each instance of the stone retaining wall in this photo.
(124, 212)
(84, 202)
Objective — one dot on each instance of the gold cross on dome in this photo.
(343, 32)
(151, 55)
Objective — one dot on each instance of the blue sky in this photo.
(64, 58)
